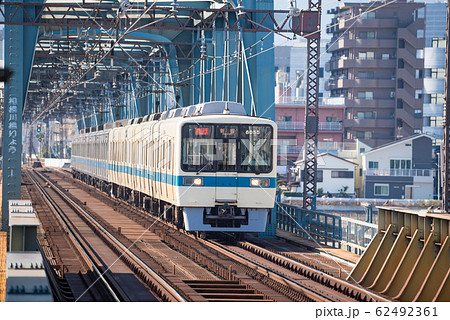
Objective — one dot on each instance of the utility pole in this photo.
(307, 24)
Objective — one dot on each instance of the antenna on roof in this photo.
(226, 110)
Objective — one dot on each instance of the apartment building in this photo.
(290, 120)
(290, 66)
(434, 70)
(377, 69)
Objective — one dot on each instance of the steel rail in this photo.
(322, 274)
(239, 258)
(126, 250)
(74, 239)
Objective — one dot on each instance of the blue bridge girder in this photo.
(108, 62)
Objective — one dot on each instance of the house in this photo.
(399, 170)
(335, 175)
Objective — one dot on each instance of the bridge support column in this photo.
(20, 43)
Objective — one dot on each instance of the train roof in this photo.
(206, 108)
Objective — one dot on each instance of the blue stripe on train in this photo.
(208, 181)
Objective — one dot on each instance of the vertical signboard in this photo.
(13, 107)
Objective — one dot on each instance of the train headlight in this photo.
(257, 182)
(192, 181)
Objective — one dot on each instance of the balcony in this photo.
(370, 123)
(433, 110)
(322, 146)
(368, 23)
(289, 149)
(378, 103)
(345, 63)
(290, 125)
(400, 172)
(297, 125)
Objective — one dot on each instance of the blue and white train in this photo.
(207, 167)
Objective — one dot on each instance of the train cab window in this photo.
(198, 148)
(226, 147)
(255, 148)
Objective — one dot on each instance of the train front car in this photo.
(227, 177)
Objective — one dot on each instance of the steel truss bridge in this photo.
(104, 60)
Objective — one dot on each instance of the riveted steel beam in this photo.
(417, 263)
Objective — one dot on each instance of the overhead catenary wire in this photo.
(238, 54)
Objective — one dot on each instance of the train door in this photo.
(226, 163)
(171, 170)
(166, 167)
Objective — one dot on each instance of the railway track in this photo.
(243, 272)
(333, 288)
(71, 271)
(114, 266)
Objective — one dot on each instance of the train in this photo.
(207, 167)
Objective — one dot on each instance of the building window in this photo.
(401, 63)
(366, 115)
(381, 190)
(332, 119)
(438, 42)
(367, 35)
(370, 55)
(419, 74)
(417, 114)
(400, 83)
(420, 33)
(364, 134)
(401, 43)
(392, 95)
(419, 14)
(417, 131)
(418, 94)
(368, 15)
(285, 118)
(419, 54)
(435, 73)
(385, 56)
(399, 123)
(342, 174)
(433, 122)
(437, 98)
(365, 95)
(373, 164)
(319, 175)
(365, 74)
(400, 164)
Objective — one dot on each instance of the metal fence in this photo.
(335, 231)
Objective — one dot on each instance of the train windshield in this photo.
(227, 148)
